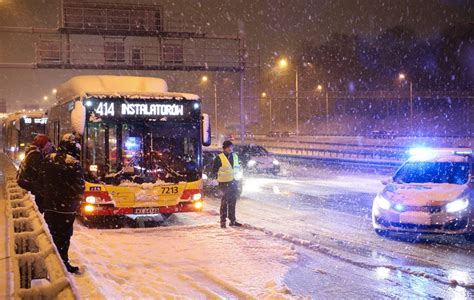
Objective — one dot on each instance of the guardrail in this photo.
(38, 272)
(359, 156)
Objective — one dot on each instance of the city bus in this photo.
(141, 145)
(19, 129)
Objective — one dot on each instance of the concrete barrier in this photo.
(37, 271)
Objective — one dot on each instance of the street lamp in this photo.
(45, 98)
(54, 91)
(205, 79)
(402, 77)
(283, 64)
(319, 88)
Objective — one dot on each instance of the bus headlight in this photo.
(21, 156)
(197, 197)
(198, 205)
(204, 176)
(457, 205)
(382, 202)
(89, 208)
(91, 199)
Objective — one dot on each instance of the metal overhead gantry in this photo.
(111, 36)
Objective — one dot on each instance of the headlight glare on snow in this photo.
(382, 202)
(251, 163)
(457, 205)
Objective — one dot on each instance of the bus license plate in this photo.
(146, 210)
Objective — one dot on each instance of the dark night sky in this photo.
(277, 27)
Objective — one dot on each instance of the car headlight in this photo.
(457, 205)
(204, 176)
(251, 163)
(276, 162)
(239, 175)
(21, 156)
(382, 202)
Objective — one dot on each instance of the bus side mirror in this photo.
(206, 130)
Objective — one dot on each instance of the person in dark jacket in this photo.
(227, 170)
(63, 189)
(29, 176)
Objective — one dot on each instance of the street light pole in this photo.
(271, 115)
(297, 102)
(411, 105)
(215, 110)
(327, 113)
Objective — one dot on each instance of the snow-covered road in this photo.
(308, 233)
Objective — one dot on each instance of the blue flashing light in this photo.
(421, 152)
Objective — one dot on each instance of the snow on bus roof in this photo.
(20, 114)
(117, 86)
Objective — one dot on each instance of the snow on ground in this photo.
(307, 231)
(180, 261)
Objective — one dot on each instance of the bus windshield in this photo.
(144, 151)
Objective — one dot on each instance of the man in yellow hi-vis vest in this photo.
(228, 172)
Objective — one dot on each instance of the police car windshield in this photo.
(433, 172)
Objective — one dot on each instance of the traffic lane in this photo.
(338, 190)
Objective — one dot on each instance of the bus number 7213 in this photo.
(169, 190)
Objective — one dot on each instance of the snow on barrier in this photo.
(38, 272)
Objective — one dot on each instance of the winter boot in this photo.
(235, 223)
(71, 269)
(223, 225)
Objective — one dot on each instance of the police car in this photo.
(433, 192)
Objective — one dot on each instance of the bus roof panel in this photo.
(117, 86)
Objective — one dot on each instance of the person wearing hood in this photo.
(63, 189)
(29, 175)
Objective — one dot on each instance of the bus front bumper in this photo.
(87, 209)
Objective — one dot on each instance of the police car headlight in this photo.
(276, 162)
(457, 205)
(251, 163)
(382, 202)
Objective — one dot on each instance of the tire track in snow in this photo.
(328, 252)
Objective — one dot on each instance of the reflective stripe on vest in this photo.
(227, 173)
